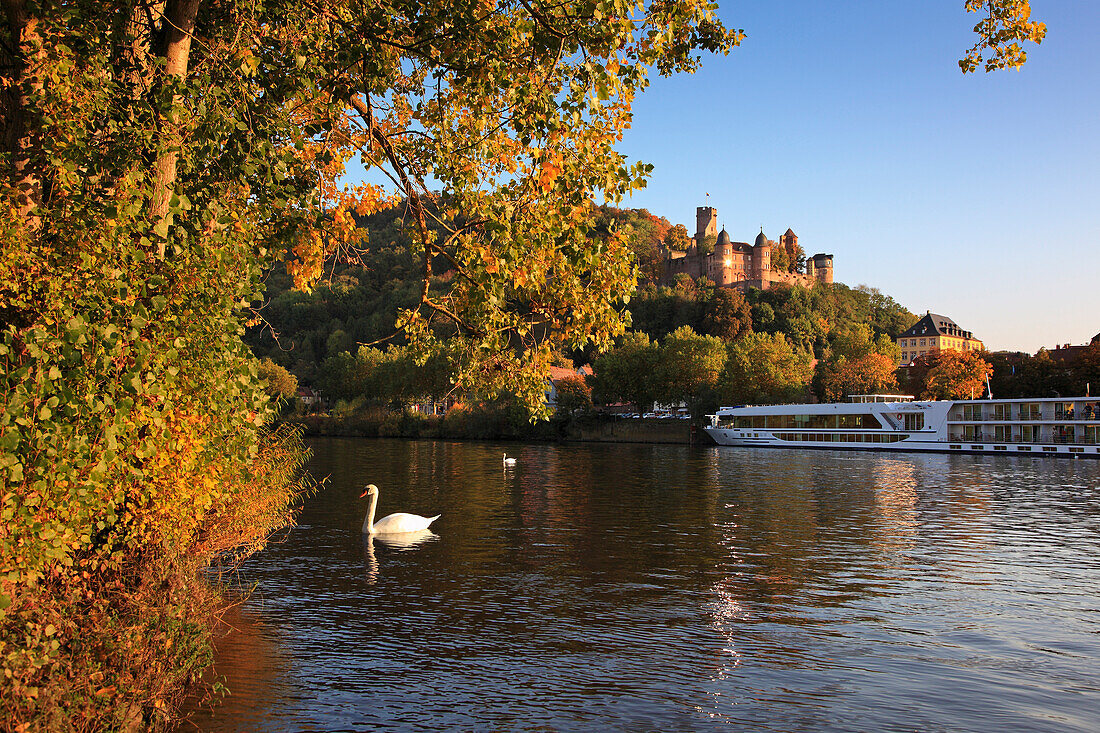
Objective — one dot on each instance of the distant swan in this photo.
(509, 461)
(394, 523)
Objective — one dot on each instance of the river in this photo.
(670, 588)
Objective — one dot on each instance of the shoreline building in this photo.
(934, 333)
(739, 264)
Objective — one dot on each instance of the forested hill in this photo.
(357, 302)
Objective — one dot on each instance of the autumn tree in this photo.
(277, 380)
(867, 374)
(955, 375)
(726, 314)
(626, 372)
(764, 368)
(573, 394)
(857, 361)
(706, 244)
(688, 368)
(677, 238)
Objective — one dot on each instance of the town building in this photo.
(1069, 352)
(739, 264)
(934, 333)
(557, 374)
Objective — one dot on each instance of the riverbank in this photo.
(501, 425)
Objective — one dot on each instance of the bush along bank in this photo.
(492, 422)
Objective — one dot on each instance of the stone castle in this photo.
(737, 264)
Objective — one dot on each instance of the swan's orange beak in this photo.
(367, 491)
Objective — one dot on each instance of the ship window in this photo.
(1063, 434)
(1002, 412)
(913, 420)
(1031, 411)
(1063, 410)
(972, 412)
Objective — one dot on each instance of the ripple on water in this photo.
(665, 588)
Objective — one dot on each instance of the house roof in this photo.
(557, 372)
(933, 324)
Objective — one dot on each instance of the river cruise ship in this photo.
(1049, 426)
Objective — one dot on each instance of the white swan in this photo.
(509, 461)
(394, 523)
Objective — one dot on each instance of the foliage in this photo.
(625, 373)
(1007, 23)
(677, 238)
(788, 257)
(953, 375)
(705, 246)
(764, 368)
(808, 317)
(1021, 375)
(857, 362)
(278, 382)
(573, 394)
(688, 368)
(392, 377)
(725, 314)
(867, 374)
(644, 235)
(780, 260)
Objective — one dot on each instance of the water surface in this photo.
(640, 588)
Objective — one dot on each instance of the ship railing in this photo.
(1065, 440)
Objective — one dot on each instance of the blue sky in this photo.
(977, 197)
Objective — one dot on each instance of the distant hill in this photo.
(357, 303)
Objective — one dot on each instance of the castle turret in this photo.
(723, 254)
(723, 243)
(761, 255)
(820, 266)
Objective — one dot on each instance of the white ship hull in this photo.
(1047, 427)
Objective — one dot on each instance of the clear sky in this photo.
(977, 196)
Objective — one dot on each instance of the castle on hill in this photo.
(737, 264)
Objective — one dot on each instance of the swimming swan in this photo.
(509, 461)
(397, 523)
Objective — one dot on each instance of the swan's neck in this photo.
(368, 523)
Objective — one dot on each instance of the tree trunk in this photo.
(179, 17)
(21, 139)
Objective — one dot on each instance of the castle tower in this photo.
(789, 240)
(761, 256)
(820, 266)
(723, 254)
(706, 222)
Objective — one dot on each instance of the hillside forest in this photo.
(784, 343)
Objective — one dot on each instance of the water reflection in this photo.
(639, 587)
(402, 542)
